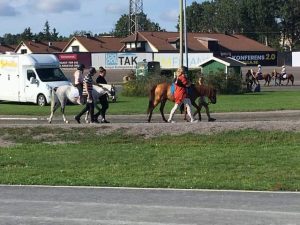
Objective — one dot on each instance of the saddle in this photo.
(259, 76)
(173, 89)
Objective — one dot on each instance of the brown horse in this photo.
(160, 93)
(278, 78)
(266, 77)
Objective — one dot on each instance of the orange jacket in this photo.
(180, 89)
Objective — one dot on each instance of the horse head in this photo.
(208, 91)
(110, 90)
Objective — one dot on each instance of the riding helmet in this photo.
(92, 70)
(81, 67)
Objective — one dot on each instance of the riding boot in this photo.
(91, 110)
(96, 117)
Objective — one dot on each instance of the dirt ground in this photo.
(287, 120)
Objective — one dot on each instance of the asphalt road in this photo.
(40, 205)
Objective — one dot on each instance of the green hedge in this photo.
(225, 84)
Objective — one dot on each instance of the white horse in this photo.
(112, 91)
(65, 93)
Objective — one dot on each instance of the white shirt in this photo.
(78, 77)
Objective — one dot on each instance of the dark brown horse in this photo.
(160, 93)
(266, 77)
(278, 78)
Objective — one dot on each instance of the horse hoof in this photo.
(67, 121)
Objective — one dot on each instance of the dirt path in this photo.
(287, 120)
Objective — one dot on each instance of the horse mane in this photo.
(204, 90)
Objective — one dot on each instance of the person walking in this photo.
(104, 98)
(87, 95)
(78, 80)
(180, 95)
(203, 102)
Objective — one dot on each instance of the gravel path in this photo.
(287, 120)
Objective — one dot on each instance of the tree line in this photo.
(275, 23)
(272, 22)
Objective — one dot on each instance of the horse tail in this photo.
(151, 99)
(292, 79)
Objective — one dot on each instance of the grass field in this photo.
(249, 160)
(77, 156)
(263, 101)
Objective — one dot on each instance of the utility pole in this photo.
(181, 32)
(135, 10)
(185, 37)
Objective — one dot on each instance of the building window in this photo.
(75, 48)
(23, 51)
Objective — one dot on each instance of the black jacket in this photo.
(101, 80)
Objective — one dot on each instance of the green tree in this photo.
(227, 16)
(47, 33)
(27, 34)
(258, 20)
(122, 26)
(289, 21)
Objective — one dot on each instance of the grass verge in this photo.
(251, 102)
(243, 160)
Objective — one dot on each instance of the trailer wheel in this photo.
(41, 100)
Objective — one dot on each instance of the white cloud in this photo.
(6, 9)
(115, 9)
(56, 6)
(170, 16)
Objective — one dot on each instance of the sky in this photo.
(67, 16)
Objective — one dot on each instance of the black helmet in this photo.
(81, 67)
(92, 70)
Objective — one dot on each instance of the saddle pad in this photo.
(173, 88)
(189, 91)
(74, 93)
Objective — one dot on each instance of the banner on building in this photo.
(126, 60)
(254, 58)
(71, 60)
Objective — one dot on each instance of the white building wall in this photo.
(295, 59)
(172, 60)
(76, 43)
(24, 47)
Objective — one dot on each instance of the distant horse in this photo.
(278, 78)
(266, 77)
(65, 93)
(160, 93)
(249, 80)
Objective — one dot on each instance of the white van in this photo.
(29, 77)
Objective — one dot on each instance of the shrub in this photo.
(142, 85)
(225, 84)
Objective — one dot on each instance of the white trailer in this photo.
(29, 77)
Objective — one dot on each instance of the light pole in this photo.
(185, 37)
(181, 32)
